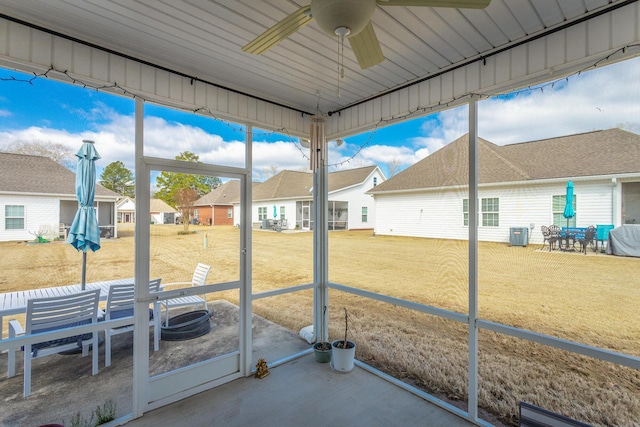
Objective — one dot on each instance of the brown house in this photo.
(216, 208)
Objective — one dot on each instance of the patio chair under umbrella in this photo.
(84, 233)
(568, 203)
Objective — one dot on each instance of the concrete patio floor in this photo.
(296, 393)
(301, 393)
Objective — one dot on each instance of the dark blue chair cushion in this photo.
(61, 341)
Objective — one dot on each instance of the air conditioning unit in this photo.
(518, 236)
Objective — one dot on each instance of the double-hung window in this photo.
(14, 217)
(262, 212)
(489, 209)
(491, 212)
(465, 212)
(558, 211)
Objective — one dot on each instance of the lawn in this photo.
(591, 299)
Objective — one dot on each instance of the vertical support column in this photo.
(318, 152)
(245, 258)
(142, 234)
(473, 261)
(616, 191)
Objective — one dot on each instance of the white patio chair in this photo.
(52, 314)
(120, 304)
(199, 277)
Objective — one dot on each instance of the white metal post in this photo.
(245, 258)
(318, 154)
(473, 261)
(141, 242)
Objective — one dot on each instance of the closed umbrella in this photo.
(275, 212)
(568, 203)
(84, 233)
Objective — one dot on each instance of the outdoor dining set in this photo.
(65, 314)
(575, 238)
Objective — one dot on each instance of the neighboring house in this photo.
(216, 207)
(520, 185)
(159, 211)
(288, 197)
(126, 208)
(37, 194)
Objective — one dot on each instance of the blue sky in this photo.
(48, 111)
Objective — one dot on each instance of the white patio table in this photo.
(12, 303)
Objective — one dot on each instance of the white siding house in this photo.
(430, 198)
(289, 195)
(38, 195)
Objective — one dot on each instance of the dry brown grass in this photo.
(591, 299)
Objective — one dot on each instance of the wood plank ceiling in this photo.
(203, 38)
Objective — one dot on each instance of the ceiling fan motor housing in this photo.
(332, 14)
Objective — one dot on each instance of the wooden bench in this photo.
(534, 416)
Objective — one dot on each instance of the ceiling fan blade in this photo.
(366, 47)
(279, 32)
(459, 4)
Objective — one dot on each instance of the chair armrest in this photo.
(15, 328)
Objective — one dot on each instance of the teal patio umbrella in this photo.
(275, 212)
(568, 203)
(84, 234)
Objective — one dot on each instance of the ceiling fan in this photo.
(348, 19)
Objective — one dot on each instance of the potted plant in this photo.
(343, 351)
(322, 349)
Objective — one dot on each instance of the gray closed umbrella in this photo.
(84, 234)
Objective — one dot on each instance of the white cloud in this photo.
(601, 99)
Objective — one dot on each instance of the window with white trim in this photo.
(491, 212)
(365, 214)
(14, 217)
(262, 213)
(558, 211)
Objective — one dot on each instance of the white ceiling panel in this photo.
(203, 39)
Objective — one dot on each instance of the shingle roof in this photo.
(157, 205)
(604, 152)
(294, 184)
(20, 173)
(224, 194)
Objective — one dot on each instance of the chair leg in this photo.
(11, 357)
(156, 327)
(27, 371)
(107, 348)
(94, 354)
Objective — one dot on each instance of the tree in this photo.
(55, 151)
(393, 166)
(185, 198)
(169, 183)
(116, 177)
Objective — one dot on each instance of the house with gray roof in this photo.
(521, 185)
(159, 211)
(38, 194)
(216, 207)
(288, 197)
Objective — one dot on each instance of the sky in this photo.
(43, 110)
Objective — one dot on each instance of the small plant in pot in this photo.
(322, 349)
(343, 351)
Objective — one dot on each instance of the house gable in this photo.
(24, 174)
